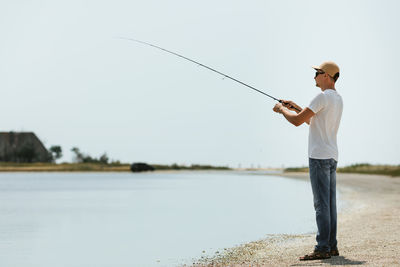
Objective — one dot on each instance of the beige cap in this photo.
(328, 67)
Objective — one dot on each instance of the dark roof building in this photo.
(22, 147)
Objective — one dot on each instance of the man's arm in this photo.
(293, 106)
(295, 119)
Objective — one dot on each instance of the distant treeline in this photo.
(80, 157)
(366, 168)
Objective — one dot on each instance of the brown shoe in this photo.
(316, 255)
(334, 252)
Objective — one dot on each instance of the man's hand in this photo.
(278, 108)
(295, 119)
(291, 106)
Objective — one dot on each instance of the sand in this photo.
(368, 230)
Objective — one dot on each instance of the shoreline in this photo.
(87, 168)
(93, 167)
(368, 230)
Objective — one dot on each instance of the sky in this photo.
(66, 76)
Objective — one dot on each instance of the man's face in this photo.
(318, 77)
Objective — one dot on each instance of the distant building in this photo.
(22, 147)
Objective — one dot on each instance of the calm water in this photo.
(150, 219)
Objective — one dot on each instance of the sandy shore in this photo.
(368, 230)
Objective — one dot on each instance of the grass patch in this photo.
(391, 170)
(62, 167)
(191, 167)
(364, 168)
(296, 169)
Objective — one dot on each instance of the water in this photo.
(147, 219)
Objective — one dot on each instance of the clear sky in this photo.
(65, 76)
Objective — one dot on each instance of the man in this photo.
(323, 115)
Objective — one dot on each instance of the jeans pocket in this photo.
(320, 164)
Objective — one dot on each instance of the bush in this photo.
(84, 158)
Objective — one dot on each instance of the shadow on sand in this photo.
(339, 260)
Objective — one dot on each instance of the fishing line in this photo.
(202, 65)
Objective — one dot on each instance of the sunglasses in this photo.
(318, 73)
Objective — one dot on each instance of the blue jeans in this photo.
(323, 183)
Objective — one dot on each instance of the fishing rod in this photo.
(207, 67)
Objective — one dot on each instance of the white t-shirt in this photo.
(324, 125)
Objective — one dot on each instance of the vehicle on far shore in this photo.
(141, 167)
